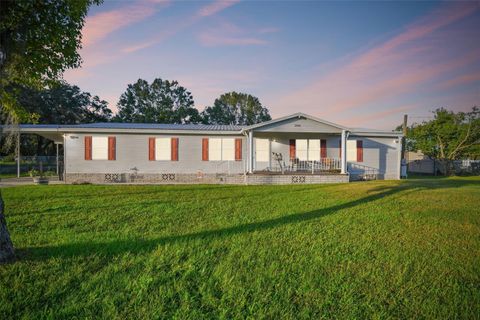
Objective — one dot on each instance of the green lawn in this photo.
(390, 249)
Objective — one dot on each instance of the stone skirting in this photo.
(176, 178)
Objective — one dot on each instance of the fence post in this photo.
(18, 155)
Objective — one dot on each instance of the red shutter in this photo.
(151, 149)
(359, 151)
(292, 149)
(323, 148)
(340, 148)
(174, 149)
(205, 149)
(88, 147)
(112, 145)
(238, 149)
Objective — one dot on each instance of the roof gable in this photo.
(298, 122)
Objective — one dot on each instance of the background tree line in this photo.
(161, 101)
(447, 137)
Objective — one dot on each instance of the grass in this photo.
(391, 249)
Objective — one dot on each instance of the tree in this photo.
(39, 40)
(162, 101)
(61, 104)
(236, 108)
(449, 136)
(64, 104)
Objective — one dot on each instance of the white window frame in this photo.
(163, 149)
(262, 150)
(221, 149)
(228, 149)
(301, 149)
(99, 148)
(314, 149)
(352, 150)
(215, 149)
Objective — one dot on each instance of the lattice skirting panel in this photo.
(176, 178)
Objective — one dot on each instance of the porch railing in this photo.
(307, 166)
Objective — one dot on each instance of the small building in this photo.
(294, 149)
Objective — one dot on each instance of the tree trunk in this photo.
(6, 246)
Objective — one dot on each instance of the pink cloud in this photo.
(206, 11)
(215, 7)
(460, 80)
(99, 26)
(378, 115)
(208, 39)
(228, 34)
(398, 66)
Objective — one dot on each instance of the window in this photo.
(262, 150)
(355, 150)
(215, 149)
(302, 149)
(228, 149)
(313, 149)
(99, 148)
(218, 149)
(163, 149)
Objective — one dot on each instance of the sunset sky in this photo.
(360, 64)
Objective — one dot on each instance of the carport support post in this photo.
(344, 153)
(56, 159)
(18, 155)
(250, 151)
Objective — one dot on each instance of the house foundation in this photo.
(176, 178)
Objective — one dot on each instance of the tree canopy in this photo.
(162, 101)
(449, 136)
(236, 108)
(64, 104)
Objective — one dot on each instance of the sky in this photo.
(359, 64)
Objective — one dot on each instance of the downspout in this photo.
(64, 158)
(250, 147)
(344, 152)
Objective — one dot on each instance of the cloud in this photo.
(99, 26)
(228, 34)
(215, 7)
(461, 80)
(400, 65)
(378, 116)
(206, 11)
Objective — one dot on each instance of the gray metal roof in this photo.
(154, 126)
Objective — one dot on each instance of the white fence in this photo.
(313, 166)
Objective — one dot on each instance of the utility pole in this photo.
(404, 129)
(403, 171)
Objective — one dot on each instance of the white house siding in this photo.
(132, 152)
(380, 154)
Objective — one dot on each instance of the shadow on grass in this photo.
(136, 246)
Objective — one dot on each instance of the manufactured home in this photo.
(294, 149)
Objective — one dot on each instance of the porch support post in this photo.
(343, 159)
(250, 151)
(18, 155)
(56, 159)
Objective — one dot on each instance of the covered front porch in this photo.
(298, 145)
